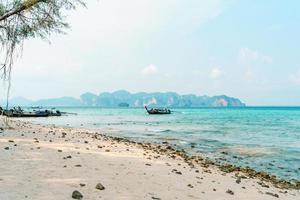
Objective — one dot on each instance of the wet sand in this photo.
(44, 162)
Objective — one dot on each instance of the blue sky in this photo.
(246, 49)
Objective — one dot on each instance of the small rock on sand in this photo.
(156, 198)
(99, 186)
(238, 180)
(273, 194)
(230, 192)
(6, 148)
(77, 195)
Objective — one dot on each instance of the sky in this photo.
(249, 49)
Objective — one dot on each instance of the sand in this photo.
(44, 162)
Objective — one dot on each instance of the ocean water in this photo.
(263, 138)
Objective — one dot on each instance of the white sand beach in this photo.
(43, 162)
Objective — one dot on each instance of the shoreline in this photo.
(235, 182)
(171, 150)
(167, 149)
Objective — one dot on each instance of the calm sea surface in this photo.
(263, 138)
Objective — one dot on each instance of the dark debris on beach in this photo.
(195, 161)
(245, 172)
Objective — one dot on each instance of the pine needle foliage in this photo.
(24, 19)
(21, 20)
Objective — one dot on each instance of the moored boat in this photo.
(18, 112)
(157, 111)
(53, 113)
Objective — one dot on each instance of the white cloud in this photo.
(150, 70)
(295, 78)
(267, 59)
(249, 75)
(248, 55)
(216, 73)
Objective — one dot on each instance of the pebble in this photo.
(77, 195)
(156, 198)
(230, 192)
(273, 194)
(263, 184)
(99, 186)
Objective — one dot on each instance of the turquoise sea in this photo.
(263, 138)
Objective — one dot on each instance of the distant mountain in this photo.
(63, 101)
(89, 99)
(123, 98)
(17, 101)
(169, 99)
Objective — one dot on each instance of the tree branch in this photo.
(24, 6)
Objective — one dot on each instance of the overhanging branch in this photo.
(24, 6)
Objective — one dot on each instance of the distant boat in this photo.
(18, 112)
(12, 113)
(36, 107)
(157, 111)
(53, 113)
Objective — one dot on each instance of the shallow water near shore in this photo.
(263, 138)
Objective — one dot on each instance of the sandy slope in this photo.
(36, 166)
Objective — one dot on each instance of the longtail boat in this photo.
(157, 111)
(18, 112)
